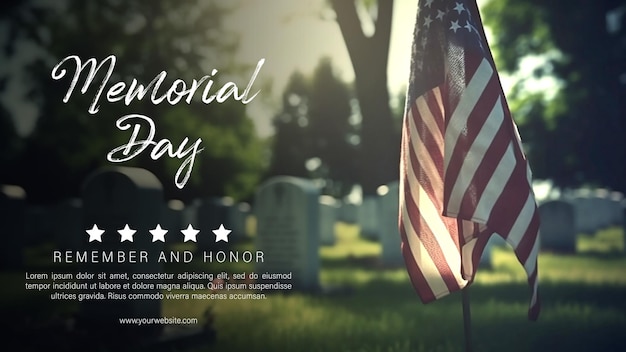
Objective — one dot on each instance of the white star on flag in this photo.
(95, 234)
(221, 234)
(158, 234)
(190, 234)
(126, 233)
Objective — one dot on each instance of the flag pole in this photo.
(467, 319)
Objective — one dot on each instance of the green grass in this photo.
(583, 298)
(376, 309)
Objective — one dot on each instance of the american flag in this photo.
(463, 174)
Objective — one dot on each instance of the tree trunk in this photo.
(378, 157)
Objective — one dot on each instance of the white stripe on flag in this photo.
(472, 93)
(471, 161)
(496, 185)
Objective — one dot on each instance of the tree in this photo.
(379, 157)
(290, 145)
(576, 135)
(333, 136)
(316, 131)
(9, 146)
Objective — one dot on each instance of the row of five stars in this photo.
(158, 234)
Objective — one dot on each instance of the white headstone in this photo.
(12, 226)
(486, 258)
(213, 212)
(238, 219)
(190, 213)
(557, 227)
(329, 207)
(623, 204)
(588, 216)
(389, 233)
(369, 214)
(617, 215)
(349, 212)
(287, 212)
(172, 214)
(113, 199)
(603, 207)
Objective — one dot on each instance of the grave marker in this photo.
(172, 216)
(287, 211)
(369, 214)
(329, 207)
(349, 212)
(213, 212)
(238, 219)
(558, 231)
(389, 233)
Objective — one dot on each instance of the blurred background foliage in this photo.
(568, 61)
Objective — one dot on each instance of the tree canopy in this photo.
(574, 129)
(316, 131)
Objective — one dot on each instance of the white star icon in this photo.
(221, 234)
(126, 233)
(190, 233)
(158, 234)
(95, 234)
(429, 3)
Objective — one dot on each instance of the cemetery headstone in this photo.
(329, 207)
(616, 199)
(115, 199)
(587, 216)
(603, 207)
(12, 226)
(557, 227)
(172, 217)
(389, 234)
(349, 212)
(623, 204)
(369, 218)
(287, 211)
(486, 258)
(213, 212)
(238, 219)
(190, 213)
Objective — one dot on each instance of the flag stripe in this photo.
(495, 185)
(458, 120)
(469, 165)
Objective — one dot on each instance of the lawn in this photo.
(370, 308)
(365, 307)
